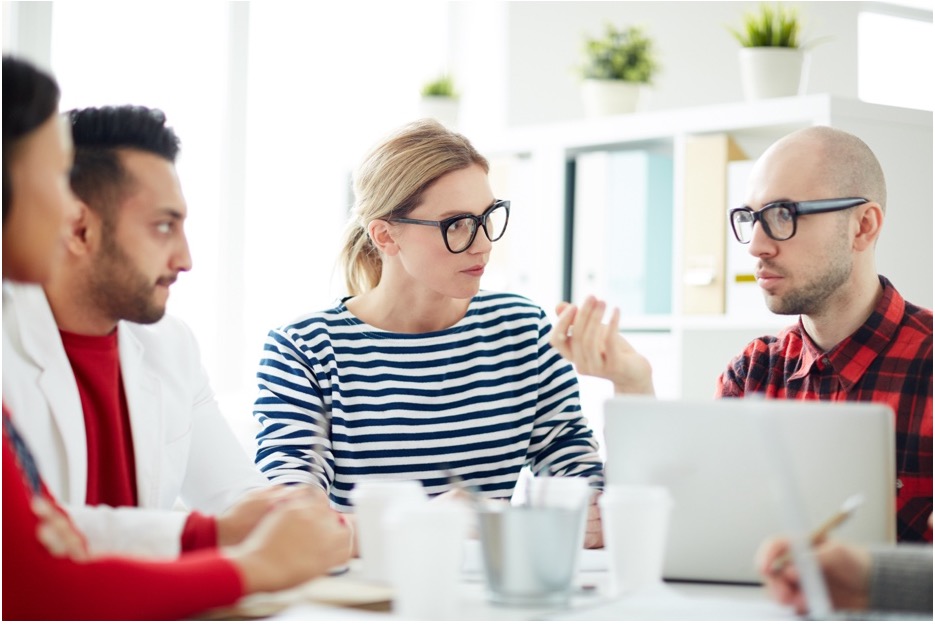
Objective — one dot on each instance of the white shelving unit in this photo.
(700, 346)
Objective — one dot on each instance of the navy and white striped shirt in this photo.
(341, 401)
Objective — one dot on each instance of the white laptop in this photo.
(811, 581)
(712, 457)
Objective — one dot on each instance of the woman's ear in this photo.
(382, 237)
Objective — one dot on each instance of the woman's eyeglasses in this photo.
(459, 231)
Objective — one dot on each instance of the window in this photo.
(892, 56)
(274, 104)
(169, 56)
(325, 85)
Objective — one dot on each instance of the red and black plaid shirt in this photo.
(888, 360)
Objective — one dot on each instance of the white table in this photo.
(336, 598)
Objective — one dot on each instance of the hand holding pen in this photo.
(843, 566)
(820, 534)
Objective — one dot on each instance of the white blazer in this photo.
(184, 448)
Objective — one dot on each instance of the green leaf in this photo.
(776, 27)
(621, 54)
(442, 85)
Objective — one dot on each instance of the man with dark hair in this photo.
(122, 418)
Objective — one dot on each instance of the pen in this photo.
(821, 533)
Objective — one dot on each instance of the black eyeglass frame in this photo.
(476, 220)
(806, 207)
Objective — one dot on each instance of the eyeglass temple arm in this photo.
(824, 206)
(409, 220)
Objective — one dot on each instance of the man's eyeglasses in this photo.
(459, 231)
(778, 219)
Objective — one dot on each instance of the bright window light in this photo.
(892, 54)
(325, 85)
(321, 87)
(169, 56)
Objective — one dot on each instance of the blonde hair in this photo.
(391, 182)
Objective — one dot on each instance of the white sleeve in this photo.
(129, 530)
(219, 470)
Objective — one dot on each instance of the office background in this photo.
(276, 101)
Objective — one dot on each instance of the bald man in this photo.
(815, 206)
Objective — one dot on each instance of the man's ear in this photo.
(85, 233)
(869, 222)
(382, 237)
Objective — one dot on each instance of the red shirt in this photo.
(887, 360)
(40, 586)
(95, 362)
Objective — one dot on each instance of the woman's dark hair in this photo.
(30, 98)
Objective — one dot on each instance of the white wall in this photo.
(540, 43)
(544, 42)
(26, 31)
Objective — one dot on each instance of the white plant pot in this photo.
(441, 108)
(772, 72)
(611, 97)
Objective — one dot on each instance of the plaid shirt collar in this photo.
(852, 356)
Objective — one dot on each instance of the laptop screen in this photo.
(712, 457)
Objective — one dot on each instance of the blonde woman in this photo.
(417, 373)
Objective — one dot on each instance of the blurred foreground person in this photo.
(48, 573)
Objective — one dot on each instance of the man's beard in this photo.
(120, 290)
(810, 299)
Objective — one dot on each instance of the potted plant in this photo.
(619, 68)
(440, 100)
(771, 58)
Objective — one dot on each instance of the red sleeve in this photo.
(39, 586)
(200, 531)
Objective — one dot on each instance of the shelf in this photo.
(647, 323)
(765, 118)
(732, 322)
(549, 164)
(690, 323)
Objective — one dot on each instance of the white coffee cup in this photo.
(372, 501)
(635, 520)
(425, 554)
